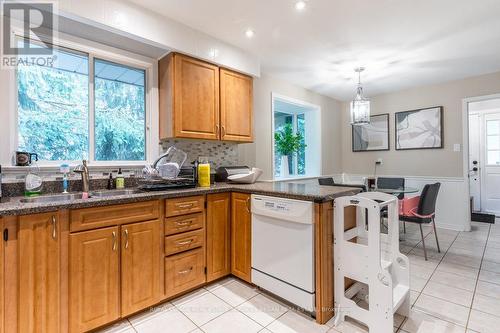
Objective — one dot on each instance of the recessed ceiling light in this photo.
(300, 5)
(249, 33)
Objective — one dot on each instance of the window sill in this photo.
(55, 168)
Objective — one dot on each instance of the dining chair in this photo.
(330, 182)
(391, 183)
(425, 212)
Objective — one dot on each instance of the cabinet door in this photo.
(218, 236)
(236, 95)
(196, 99)
(39, 273)
(241, 236)
(94, 287)
(141, 261)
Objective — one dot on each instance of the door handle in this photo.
(54, 227)
(126, 238)
(114, 240)
(248, 204)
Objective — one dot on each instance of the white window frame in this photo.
(314, 108)
(107, 53)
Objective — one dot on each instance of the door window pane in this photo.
(493, 142)
(53, 107)
(120, 112)
(493, 127)
(493, 157)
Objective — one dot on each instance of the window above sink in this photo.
(95, 103)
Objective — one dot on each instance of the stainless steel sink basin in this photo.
(111, 193)
(77, 196)
(53, 198)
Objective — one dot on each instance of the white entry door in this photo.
(474, 160)
(490, 180)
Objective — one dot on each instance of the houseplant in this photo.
(287, 143)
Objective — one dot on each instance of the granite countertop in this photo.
(290, 190)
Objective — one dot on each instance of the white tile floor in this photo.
(457, 290)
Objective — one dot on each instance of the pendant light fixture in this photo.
(360, 106)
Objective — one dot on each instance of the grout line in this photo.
(433, 272)
(477, 281)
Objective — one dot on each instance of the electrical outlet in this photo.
(456, 147)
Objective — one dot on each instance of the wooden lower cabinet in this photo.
(94, 278)
(184, 271)
(241, 237)
(32, 270)
(39, 273)
(218, 236)
(141, 259)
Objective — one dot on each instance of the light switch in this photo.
(456, 147)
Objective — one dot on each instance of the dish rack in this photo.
(372, 278)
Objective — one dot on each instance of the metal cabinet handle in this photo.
(114, 240)
(126, 238)
(223, 131)
(248, 204)
(54, 227)
(217, 130)
(184, 223)
(186, 242)
(188, 205)
(186, 271)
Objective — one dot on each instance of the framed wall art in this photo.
(419, 129)
(373, 136)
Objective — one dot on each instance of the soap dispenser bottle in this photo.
(120, 180)
(33, 182)
(203, 172)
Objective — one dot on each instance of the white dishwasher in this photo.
(283, 248)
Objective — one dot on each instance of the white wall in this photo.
(434, 162)
(124, 17)
(259, 153)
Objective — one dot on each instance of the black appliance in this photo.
(187, 178)
(223, 172)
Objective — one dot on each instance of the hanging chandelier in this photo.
(360, 106)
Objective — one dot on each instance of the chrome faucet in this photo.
(84, 171)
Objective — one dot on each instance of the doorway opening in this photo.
(484, 155)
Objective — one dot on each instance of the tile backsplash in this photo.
(219, 153)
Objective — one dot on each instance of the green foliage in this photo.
(288, 143)
(52, 113)
(53, 116)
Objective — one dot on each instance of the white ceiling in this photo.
(402, 43)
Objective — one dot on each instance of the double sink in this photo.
(77, 196)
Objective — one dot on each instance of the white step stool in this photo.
(372, 259)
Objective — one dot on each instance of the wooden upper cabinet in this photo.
(39, 273)
(199, 100)
(236, 95)
(189, 98)
(218, 236)
(141, 261)
(241, 224)
(94, 278)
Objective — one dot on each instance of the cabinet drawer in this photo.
(184, 271)
(181, 206)
(98, 217)
(175, 225)
(184, 241)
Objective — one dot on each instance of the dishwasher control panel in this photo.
(280, 208)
